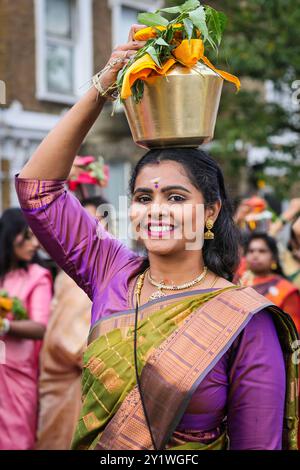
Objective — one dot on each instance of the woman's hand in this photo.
(54, 157)
(120, 57)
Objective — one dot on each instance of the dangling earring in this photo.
(209, 235)
(274, 266)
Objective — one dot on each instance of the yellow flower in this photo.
(151, 32)
(140, 70)
(6, 304)
(188, 53)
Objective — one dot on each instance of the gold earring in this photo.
(274, 266)
(209, 235)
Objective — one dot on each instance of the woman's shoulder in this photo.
(221, 283)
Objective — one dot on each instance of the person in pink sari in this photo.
(22, 277)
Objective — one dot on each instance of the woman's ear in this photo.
(213, 210)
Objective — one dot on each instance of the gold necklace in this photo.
(138, 287)
(140, 283)
(161, 285)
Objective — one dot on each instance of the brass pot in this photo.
(177, 110)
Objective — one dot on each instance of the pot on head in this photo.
(177, 110)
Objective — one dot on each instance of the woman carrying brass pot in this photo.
(179, 357)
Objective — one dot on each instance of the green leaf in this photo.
(153, 53)
(138, 90)
(19, 312)
(171, 10)
(189, 27)
(161, 42)
(216, 22)
(198, 18)
(152, 19)
(189, 5)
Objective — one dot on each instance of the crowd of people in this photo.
(40, 384)
(204, 329)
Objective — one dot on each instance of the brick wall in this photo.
(17, 50)
(102, 33)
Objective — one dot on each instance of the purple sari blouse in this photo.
(246, 386)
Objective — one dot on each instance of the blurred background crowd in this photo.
(49, 50)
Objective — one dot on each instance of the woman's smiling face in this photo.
(167, 210)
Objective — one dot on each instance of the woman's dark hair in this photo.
(12, 223)
(95, 201)
(293, 238)
(271, 244)
(221, 255)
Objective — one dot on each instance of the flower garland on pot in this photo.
(182, 39)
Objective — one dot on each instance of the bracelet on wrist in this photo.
(111, 93)
(4, 326)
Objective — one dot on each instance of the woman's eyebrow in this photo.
(143, 190)
(163, 190)
(170, 188)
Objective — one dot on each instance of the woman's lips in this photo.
(159, 230)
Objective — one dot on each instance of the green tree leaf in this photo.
(161, 42)
(216, 22)
(189, 5)
(152, 19)
(172, 10)
(189, 27)
(198, 19)
(153, 53)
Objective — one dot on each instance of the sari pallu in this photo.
(178, 344)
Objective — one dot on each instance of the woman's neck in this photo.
(175, 269)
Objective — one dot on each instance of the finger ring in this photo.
(116, 61)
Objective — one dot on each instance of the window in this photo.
(64, 49)
(60, 45)
(124, 14)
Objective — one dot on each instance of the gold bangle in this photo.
(109, 93)
(4, 326)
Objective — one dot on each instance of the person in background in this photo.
(22, 277)
(289, 251)
(61, 358)
(291, 256)
(264, 273)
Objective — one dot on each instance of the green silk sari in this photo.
(112, 417)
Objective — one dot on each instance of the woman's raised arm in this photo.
(54, 157)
